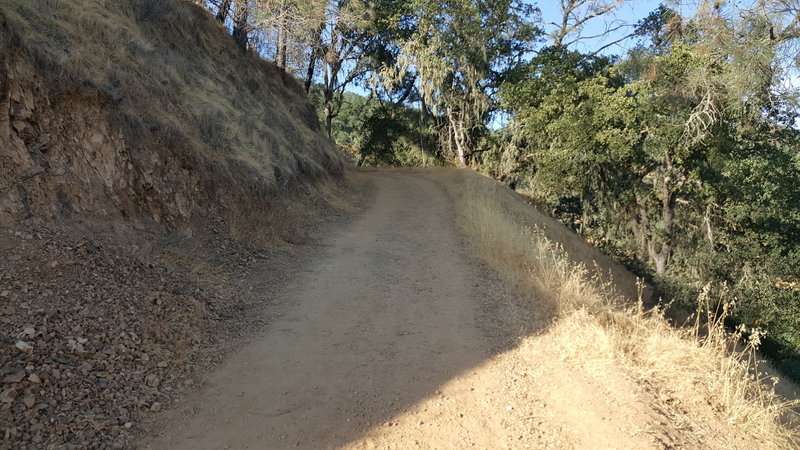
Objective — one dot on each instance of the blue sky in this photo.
(630, 13)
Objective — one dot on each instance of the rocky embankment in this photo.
(96, 335)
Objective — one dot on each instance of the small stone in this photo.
(128, 425)
(8, 395)
(23, 346)
(29, 331)
(155, 407)
(29, 401)
(33, 378)
(15, 378)
(162, 364)
(152, 381)
(79, 350)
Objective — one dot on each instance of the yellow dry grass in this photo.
(294, 213)
(706, 385)
(171, 76)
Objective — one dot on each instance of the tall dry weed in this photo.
(703, 378)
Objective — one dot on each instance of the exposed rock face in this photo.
(64, 156)
(57, 161)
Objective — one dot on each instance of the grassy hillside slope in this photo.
(144, 110)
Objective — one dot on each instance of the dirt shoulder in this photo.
(104, 327)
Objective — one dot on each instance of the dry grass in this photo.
(292, 215)
(704, 382)
(171, 76)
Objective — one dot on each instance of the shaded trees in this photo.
(459, 52)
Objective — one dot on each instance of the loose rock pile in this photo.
(96, 335)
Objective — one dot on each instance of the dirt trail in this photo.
(396, 339)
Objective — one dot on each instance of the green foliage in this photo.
(398, 136)
(382, 133)
(460, 52)
(680, 158)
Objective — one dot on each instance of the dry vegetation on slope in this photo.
(120, 120)
(144, 110)
(703, 394)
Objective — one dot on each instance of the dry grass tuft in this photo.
(702, 378)
(292, 214)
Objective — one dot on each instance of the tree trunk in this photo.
(312, 64)
(332, 65)
(329, 121)
(316, 50)
(642, 229)
(224, 9)
(662, 258)
(586, 202)
(458, 134)
(462, 155)
(659, 257)
(280, 51)
(709, 229)
(240, 27)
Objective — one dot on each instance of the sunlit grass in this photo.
(702, 377)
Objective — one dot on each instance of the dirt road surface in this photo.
(396, 338)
